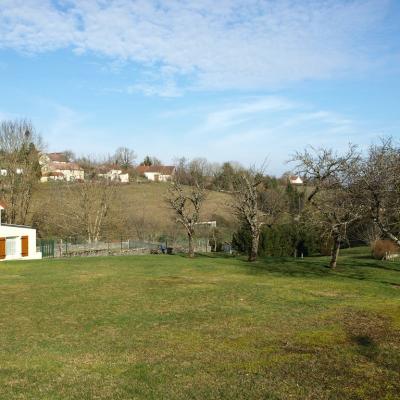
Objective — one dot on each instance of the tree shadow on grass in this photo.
(318, 267)
(350, 266)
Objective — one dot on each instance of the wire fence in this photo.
(72, 248)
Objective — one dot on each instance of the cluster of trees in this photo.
(347, 196)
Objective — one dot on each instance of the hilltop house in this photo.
(156, 173)
(113, 172)
(55, 166)
(295, 180)
(17, 242)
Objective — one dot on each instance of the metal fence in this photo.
(71, 247)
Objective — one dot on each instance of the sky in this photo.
(243, 80)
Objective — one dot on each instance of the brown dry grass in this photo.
(138, 210)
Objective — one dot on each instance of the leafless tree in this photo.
(124, 157)
(333, 197)
(246, 205)
(368, 233)
(187, 203)
(20, 147)
(379, 181)
(84, 209)
(69, 155)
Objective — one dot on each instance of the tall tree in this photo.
(379, 184)
(124, 157)
(20, 148)
(149, 161)
(246, 206)
(333, 194)
(186, 204)
(84, 209)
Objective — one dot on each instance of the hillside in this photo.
(139, 209)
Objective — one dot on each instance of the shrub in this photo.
(381, 249)
(280, 240)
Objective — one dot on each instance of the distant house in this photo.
(17, 242)
(55, 166)
(113, 172)
(52, 176)
(4, 172)
(295, 180)
(156, 173)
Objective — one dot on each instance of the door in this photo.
(2, 248)
(24, 246)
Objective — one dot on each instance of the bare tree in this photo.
(379, 183)
(187, 203)
(19, 161)
(246, 206)
(69, 155)
(124, 157)
(83, 209)
(333, 197)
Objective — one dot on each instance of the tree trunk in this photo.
(255, 237)
(335, 251)
(191, 247)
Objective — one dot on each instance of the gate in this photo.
(47, 248)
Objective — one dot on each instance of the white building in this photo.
(157, 173)
(55, 166)
(295, 180)
(113, 173)
(17, 242)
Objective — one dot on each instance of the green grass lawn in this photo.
(166, 327)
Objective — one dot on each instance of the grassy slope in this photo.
(146, 202)
(155, 327)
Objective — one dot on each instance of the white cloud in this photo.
(228, 44)
(238, 114)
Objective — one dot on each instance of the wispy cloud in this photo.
(241, 113)
(228, 44)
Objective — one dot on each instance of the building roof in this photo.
(57, 157)
(65, 166)
(105, 168)
(158, 169)
(2, 205)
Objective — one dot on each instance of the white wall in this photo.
(18, 232)
(151, 176)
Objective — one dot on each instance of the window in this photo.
(11, 247)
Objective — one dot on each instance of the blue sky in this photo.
(229, 80)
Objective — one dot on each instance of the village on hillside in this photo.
(60, 167)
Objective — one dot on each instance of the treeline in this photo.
(348, 197)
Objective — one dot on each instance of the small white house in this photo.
(295, 180)
(157, 173)
(17, 242)
(113, 173)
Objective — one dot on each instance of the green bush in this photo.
(280, 241)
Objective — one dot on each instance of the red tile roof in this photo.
(57, 157)
(65, 166)
(160, 169)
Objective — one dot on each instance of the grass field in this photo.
(165, 327)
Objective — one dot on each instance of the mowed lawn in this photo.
(166, 327)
